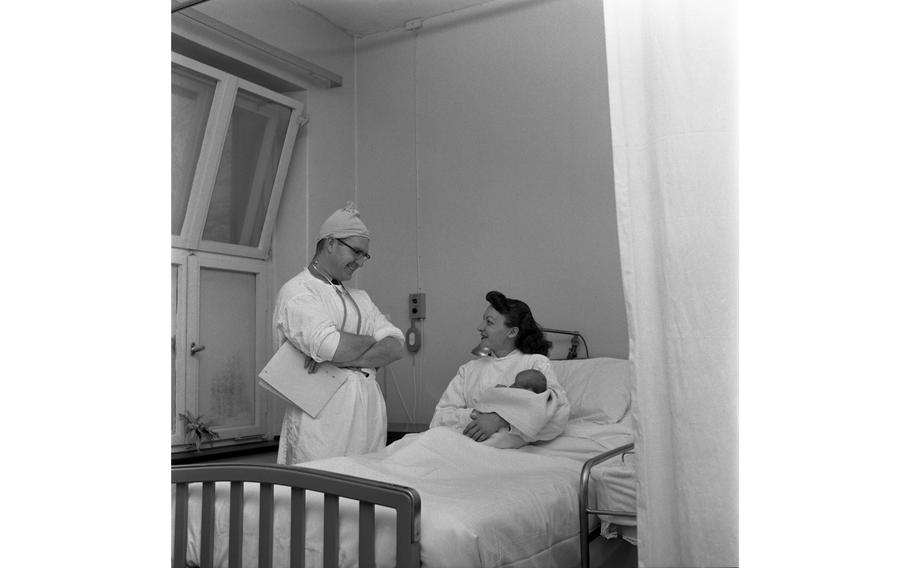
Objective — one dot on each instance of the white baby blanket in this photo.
(527, 412)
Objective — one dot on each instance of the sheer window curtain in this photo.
(671, 74)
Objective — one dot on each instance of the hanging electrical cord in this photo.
(404, 405)
(416, 367)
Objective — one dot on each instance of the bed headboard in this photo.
(598, 389)
(573, 343)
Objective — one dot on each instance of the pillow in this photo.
(598, 389)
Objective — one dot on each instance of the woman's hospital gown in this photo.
(476, 376)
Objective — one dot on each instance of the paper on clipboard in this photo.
(286, 376)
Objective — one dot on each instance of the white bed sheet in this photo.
(480, 506)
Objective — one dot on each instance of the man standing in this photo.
(333, 324)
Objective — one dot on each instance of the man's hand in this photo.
(311, 364)
(484, 426)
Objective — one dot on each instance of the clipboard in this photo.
(286, 376)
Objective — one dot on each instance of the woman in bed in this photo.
(516, 343)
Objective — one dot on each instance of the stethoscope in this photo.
(344, 303)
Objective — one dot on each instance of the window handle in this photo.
(195, 348)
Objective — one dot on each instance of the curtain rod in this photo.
(197, 27)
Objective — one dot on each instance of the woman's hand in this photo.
(484, 425)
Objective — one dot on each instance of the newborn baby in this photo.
(530, 380)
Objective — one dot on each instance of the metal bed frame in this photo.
(584, 533)
(369, 493)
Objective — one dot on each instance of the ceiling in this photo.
(364, 17)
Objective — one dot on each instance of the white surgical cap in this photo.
(344, 223)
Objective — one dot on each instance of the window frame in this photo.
(188, 321)
(179, 258)
(209, 162)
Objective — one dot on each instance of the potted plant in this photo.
(197, 429)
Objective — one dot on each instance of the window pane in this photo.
(246, 174)
(227, 329)
(191, 101)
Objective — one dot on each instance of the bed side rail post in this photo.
(583, 509)
(180, 526)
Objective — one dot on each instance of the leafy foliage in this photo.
(197, 429)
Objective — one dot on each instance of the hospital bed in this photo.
(430, 499)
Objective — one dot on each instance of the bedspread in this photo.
(480, 506)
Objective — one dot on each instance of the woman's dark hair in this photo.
(530, 338)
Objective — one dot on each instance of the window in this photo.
(221, 337)
(231, 143)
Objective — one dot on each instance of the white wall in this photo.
(484, 163)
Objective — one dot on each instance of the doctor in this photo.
(330, 322)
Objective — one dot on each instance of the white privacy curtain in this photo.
(671, 77)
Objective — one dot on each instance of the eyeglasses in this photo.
(358, 254)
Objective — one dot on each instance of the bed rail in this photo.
(369, 493)
(584, 510)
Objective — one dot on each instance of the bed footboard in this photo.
(369, 493)
(583, 507)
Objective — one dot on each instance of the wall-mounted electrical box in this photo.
(417, 306)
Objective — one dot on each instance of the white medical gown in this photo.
(310, 314)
